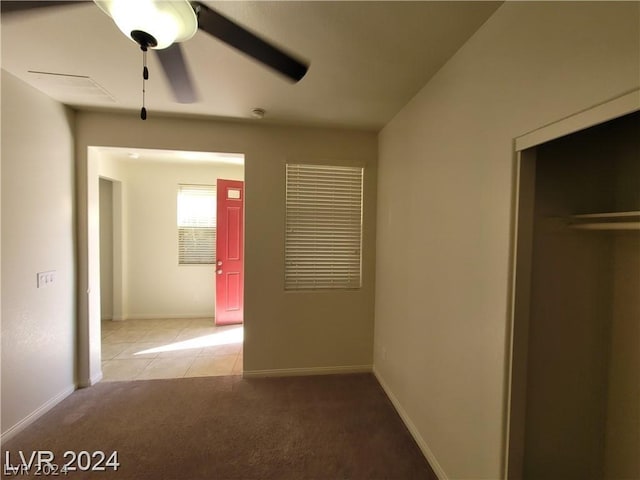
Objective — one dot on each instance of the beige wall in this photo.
(38, 325)
(445, 206)
(283, 330)
(116, 293)
(106, 249)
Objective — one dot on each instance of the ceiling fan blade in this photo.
(176, 71)
(19, 6)
(247, 42)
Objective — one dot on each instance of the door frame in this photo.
(521, 250)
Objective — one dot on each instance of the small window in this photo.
(196, 224)
(323, 227)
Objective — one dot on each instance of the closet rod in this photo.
(607, 226)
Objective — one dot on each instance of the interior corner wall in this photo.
(115, 217)
(284, 331)
(106, 249)
(445, 209)
(38, 324)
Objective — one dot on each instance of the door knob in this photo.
(219, 271)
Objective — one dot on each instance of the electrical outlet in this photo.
(46, 279)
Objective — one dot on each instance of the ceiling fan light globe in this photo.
(166, 21)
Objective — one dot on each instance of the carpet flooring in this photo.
(319, 427)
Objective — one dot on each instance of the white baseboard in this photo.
(159, 316)
(33, 416)
(437, 468)
(112, 319)
(292, 372)
(89, 382)
(96, 378)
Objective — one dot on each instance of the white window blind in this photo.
(323, 227)
(196, 224)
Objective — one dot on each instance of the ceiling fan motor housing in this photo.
(154, 24)
(144, 39)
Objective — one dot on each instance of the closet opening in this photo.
(574, 388)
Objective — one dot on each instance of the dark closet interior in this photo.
(582, 401)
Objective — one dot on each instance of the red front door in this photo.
(230, 252)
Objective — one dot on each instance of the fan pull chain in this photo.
(145, 77)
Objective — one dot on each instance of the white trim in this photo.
(96, 378)
(431, 458)
(37, 413)
(170, 316)
(511, 319)
(92, 381)
(292, 372)
(517, 334)
(614, 108)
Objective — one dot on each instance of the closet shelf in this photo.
(607, 221)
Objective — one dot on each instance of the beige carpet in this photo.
(320, 427)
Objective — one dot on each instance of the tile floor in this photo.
(169, 348)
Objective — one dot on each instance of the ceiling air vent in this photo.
(67, 87)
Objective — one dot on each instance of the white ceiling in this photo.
(368, 59)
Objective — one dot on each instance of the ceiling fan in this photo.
(161, 25)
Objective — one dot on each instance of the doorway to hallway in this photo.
(157, 311)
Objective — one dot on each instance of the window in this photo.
(196, 224)
(323, 227)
